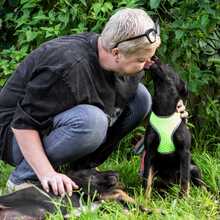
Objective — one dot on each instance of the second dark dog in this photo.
(167, 139)
(32, 203)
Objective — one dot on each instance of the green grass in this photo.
(201, 204)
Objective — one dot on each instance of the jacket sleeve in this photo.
(45, 96)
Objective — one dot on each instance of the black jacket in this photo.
(59, 75)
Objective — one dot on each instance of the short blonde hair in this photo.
(124, 24)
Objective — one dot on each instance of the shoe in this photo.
(12, 187)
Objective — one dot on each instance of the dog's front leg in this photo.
(185, 159)
(118, 195)
(150, 147)
(149, 183)
(182, 141)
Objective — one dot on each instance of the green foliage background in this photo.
(190, 31)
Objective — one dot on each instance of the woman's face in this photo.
(132, 64)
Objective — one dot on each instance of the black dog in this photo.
(32, 203)
(171, 165)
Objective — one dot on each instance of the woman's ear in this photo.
(115, 51)
(116, 54)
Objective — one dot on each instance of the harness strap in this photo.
(165, 127)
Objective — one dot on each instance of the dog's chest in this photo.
(165, 127)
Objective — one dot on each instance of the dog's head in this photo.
(91, 180)
(165, 73)
(32, 203)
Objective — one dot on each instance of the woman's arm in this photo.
(32, 150)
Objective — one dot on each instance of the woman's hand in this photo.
(180, 107)
(58, 182)
(45, 172)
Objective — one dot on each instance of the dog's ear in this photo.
(182, 88)
(180, 84)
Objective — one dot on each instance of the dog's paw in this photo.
(184, 193)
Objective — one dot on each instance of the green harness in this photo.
(165, 127)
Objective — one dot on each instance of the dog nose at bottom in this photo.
(113, 180)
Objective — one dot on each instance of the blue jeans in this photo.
(78, 132)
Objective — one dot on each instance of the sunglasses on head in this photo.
(151, 34)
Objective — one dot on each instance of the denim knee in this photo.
(143, 100)
(88, 120)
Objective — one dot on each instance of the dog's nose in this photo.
(113, 180)
(148, 64)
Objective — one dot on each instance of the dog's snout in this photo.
(113, 180)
